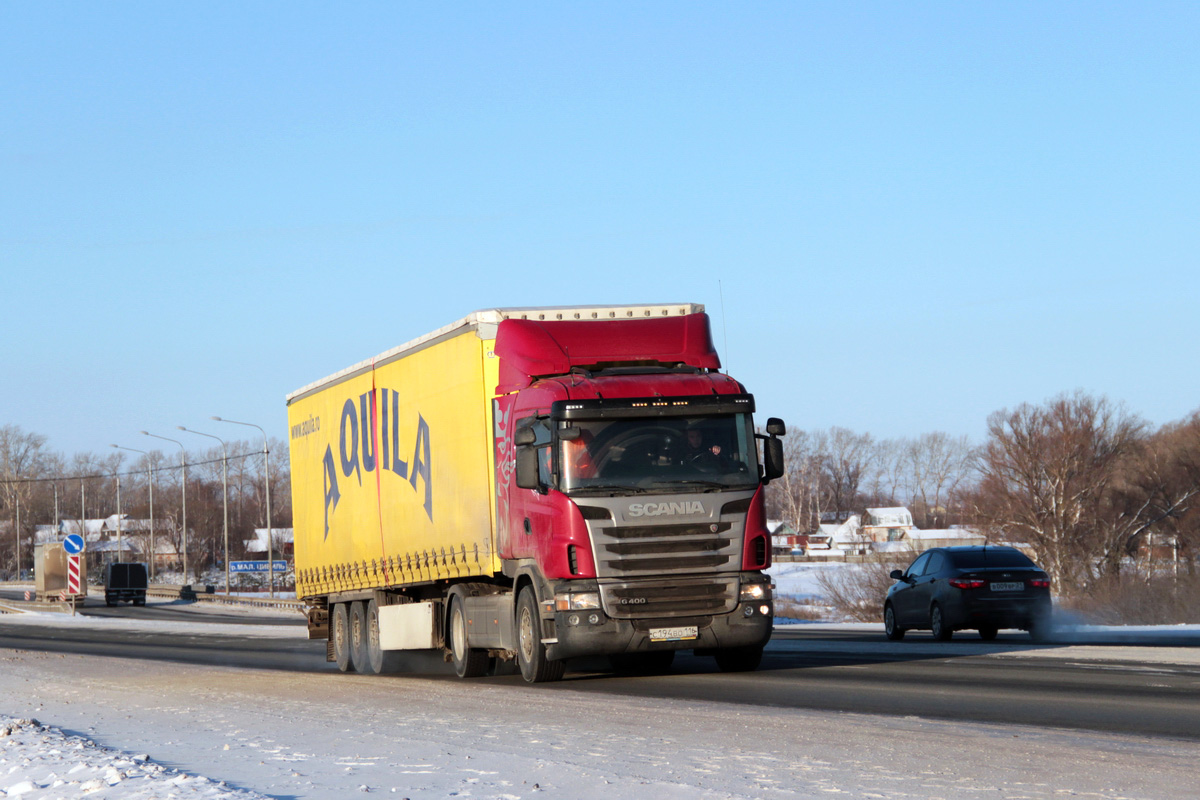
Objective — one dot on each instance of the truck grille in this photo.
(688, 598)
(629, 551)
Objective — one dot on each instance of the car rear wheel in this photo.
(988, 632)
(890, 628)
(937, 625)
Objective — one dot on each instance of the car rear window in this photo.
(991, 557)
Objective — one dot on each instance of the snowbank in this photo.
(37, 761)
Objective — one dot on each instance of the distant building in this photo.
(891, 530)
(283, 537)
(119, 534)
(886, 524)
(784, 538)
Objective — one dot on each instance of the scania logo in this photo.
(661, 509)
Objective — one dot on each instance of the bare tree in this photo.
(22, 458)
(938, 464)
(1045, 473)
(891, 479)
(799, 496)
(847, 466)
(1154, 494)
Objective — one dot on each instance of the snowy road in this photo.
(1124, 689)
(323, 735)
(313, 733)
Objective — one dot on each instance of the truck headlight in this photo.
(575, 601)
(753, 592)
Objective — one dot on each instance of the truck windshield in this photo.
(671, 454)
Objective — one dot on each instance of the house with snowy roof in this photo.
(282, 539)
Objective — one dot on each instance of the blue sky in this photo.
(901, 217)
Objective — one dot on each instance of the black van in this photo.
(125, 582)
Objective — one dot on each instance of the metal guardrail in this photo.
(262, 602)
(23, 606)
(189, 592)
(162, 590)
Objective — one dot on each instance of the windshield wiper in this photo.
(608, 487)
(709, 484)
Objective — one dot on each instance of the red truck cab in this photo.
(629, 494)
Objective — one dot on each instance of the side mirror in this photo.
(527, 458)
(775, 427)
(897, 575)
(527, 468)
(773, 456)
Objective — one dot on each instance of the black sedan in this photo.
(955, 588)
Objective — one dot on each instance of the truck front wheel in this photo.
(531, 653)
(340, 634)
(468, 662)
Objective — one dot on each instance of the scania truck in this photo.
(536, 484)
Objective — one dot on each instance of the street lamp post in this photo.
(18, 576)
(267, 477)
(150, 472)
(183, 491)
(225, 490)
(120, 538)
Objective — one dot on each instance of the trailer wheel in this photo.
(378, 659)
(341, 638)
(469, 662)
(358, 637)
(531, 653)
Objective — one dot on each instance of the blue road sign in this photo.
(73, 544)
(256, 566)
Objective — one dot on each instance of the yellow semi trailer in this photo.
(439, 501)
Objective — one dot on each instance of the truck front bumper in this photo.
(591, 632)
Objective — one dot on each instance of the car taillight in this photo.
(1040, 583)
(966, 583)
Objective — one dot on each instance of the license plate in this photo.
(1014, 586)
(673, 634)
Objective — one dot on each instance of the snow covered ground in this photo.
(116, 728)
(38, 761)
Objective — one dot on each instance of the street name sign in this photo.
(257, 566)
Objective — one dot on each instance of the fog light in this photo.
(764, 610)
(573, 619)
(749, 611)
(594, 619)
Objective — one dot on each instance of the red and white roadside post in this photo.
(74, 545)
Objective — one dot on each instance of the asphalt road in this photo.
(1005, 681)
